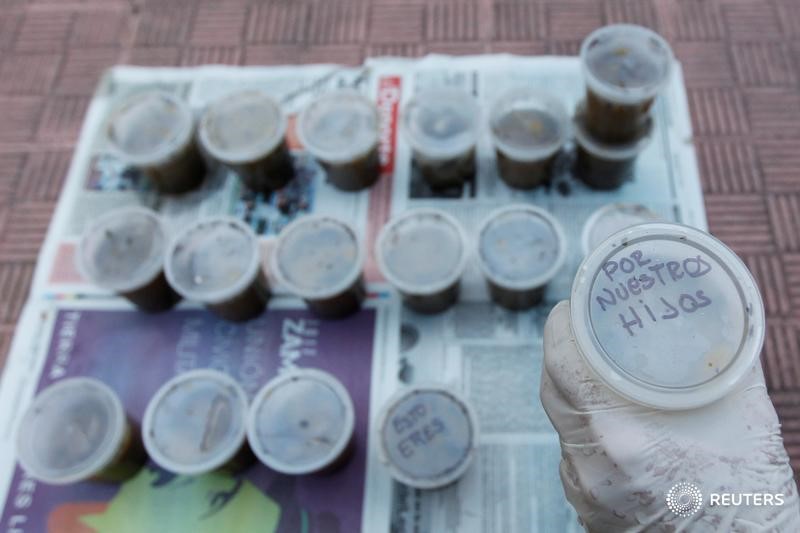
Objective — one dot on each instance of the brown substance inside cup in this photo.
(524, 174)
(515, 299)
(448, 172)
(129, 459)
(433, 303)
(249, 304)
(270, 173)
(600, 173)
(615, 123)
(155, 296)
(354, 175)
(341, 305)
(182, 172)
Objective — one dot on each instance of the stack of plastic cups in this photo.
(625, 67)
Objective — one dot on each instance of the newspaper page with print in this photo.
(491, 355)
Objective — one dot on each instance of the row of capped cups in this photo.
(423, 253)
(217, 261)
(301, 422)
(198, 422)
(245, 131)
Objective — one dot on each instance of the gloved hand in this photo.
(619, 459)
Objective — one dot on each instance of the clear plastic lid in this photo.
(626, 63)
(422, 251)
(427, 436)
(441, 123)
(242, 127)
(521, 247)
(71, 432)
(339, 126)
(123, 249)
(317, 257)
(195, 423)
(528, 125)
(610, 219)
(149, 127)
(609, 152)
(213, 260)
(667, 315)
(301, 422)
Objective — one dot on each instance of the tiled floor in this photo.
(741, 60)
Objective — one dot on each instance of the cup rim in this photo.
(547, 102)
(225, 294)
(419, 143)
(154, 266)
(609, 152)
(340, 287)
(400, 394)
(231, 156)
(108, 450)
(536, 281)
(225, 454)
(623, 95)
(666, 398)
(336, 97)
(601, 211)
(313, 374)
(421, 289)
(181, 138)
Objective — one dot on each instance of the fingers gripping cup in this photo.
(195, 424)
(441, 126)
(123, 251)
(154, 131)
(302, 422)
(667, 316)
(320, 259)
(520, 249)
(246, 131)
(606, 166)
(340, 129)
(423, 253)
(528, 128)
(216, 261)
(427, 436)
(610, 219)
(625, 66)
(77, 430)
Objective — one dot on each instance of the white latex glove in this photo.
(620, 459)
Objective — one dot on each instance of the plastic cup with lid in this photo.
(625, 66)
(216, 261)
(340, 130)
(320, 259)
(520, 249)
(123, 251)
(667, 316)
(77, 430)
(610, 219)
(246, 131)
(423, 253)
(302, 422)
(442, 126)
(427, 436)
(196, 423)
(606, 166)
(154, 132)
(529, 128)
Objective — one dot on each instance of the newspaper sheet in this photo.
(491, 355)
